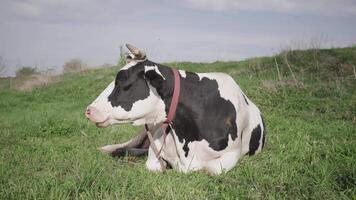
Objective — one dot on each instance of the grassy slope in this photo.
(48, 149)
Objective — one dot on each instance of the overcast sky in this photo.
(46, 33)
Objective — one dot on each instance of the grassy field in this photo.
(48, 149)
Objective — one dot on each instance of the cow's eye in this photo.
(123, 75)
(122, 78)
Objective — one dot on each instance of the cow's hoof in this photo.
(208, 172)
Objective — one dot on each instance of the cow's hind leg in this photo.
(253, 136)
(222, 164)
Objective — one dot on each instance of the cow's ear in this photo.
(128, 56)
(154, 76)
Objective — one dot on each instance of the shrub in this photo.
(73, 65)
(26, 71)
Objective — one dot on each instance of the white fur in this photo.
(155, 68)
(182, 73)
(102, 102)
(128, 65)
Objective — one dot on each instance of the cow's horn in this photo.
(136, 51)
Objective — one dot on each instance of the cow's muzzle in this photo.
(97, 117)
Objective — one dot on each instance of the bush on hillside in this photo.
(321, 65)
(26, 71)
(73, 65)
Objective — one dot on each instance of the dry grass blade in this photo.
(278, 72)
(32, 82)
(289, 67)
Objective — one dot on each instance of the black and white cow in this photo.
(214, 125)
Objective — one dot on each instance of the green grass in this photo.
(48, 149)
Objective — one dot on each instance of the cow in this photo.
(214, 125)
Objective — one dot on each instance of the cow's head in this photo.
(132, 97)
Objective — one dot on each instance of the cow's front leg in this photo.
(152, 163)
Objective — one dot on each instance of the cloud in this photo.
(27, 9)
(325, 7)
(78, 11)
(49, 32)
(54, 11)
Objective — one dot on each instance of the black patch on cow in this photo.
(264, 131)
(130, 86)
(255, 140)
(202, 113)
(245, 99)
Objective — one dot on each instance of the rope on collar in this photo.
(171, 113)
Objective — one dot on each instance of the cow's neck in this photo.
(185, 118)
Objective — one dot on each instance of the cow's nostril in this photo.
(87, 112)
